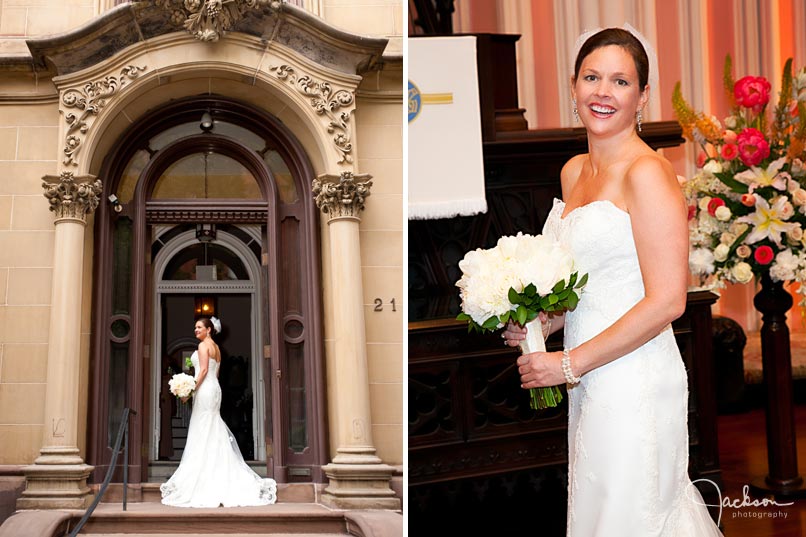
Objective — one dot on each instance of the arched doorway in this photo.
(209, 176)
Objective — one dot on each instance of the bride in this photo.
(624, 219)
(212, 471)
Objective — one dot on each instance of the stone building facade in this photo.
(242, 158)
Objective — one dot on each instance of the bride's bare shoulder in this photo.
(571, 172)
(651, 167)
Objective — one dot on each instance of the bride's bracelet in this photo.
(566, 365)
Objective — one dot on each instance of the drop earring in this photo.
(639, 117)
(575, 111)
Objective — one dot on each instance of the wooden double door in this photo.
(223, 214)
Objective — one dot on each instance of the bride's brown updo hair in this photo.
(623, 39)
(208, 324)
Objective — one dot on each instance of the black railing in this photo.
(123, 437)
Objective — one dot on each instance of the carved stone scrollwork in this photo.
(207, 20)
(90, 100)
(343, 198)
(70, 197)
(326, 102)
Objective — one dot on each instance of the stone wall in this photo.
(30, 146)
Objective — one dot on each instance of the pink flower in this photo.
(729, 137)
(715, 204)
(763, 255)
(701, 158)
(753, 148)
(729, 151)
(752, 92)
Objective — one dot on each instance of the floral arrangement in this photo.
(747, 202)
(516, 280)
(182, 385)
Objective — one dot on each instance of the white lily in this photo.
(768, 221)
(757, 177)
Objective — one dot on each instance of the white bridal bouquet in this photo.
(182, 385)
(516, 280)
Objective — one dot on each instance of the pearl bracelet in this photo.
(566, 365)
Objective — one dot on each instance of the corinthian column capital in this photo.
(71, 197)
(341, 196)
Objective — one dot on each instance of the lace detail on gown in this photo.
(627, 430)
(212, 471)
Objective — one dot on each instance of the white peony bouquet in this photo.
(516, 280)
(182, 385)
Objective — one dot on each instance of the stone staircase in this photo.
(296, 514)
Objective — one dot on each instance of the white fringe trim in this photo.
(446, 209)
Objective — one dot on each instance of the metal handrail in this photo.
(123, 436)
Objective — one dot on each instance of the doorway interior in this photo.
(195, 278)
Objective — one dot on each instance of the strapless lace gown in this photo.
(627, 432)
(212, 471)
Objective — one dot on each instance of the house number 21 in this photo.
(379, 305)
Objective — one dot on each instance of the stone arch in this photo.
(225, 80)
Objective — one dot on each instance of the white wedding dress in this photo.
(212, 471)
(627, 432)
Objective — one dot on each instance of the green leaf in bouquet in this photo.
(505, 317)
(573, 279)
(728, 180)
(553, 299)
(544, 303)
(559, 286)
(532, 315)
(491, 323)
(582, 282)
(463, 317)
(530, 290)
(739, 240)
(573, 300)
(562, 295)
(513, 296)
(521, 313)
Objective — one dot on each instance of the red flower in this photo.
(753, 148)
(692, 212)
(715, 204)
(763, 255)
(729, 151)
(752, 92)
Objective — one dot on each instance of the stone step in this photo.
(290, 493)
(194, 533)
(160, 471)
(157, 519)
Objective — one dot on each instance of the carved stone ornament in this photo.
(326, 103)
(90, 100)
(207, 20)
(72, 197)
(343, 198)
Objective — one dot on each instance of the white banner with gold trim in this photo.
(445, 160)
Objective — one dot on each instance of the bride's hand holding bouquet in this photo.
(514, 282)
(182, 386)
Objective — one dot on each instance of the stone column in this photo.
(358, 478)
(58, 477)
